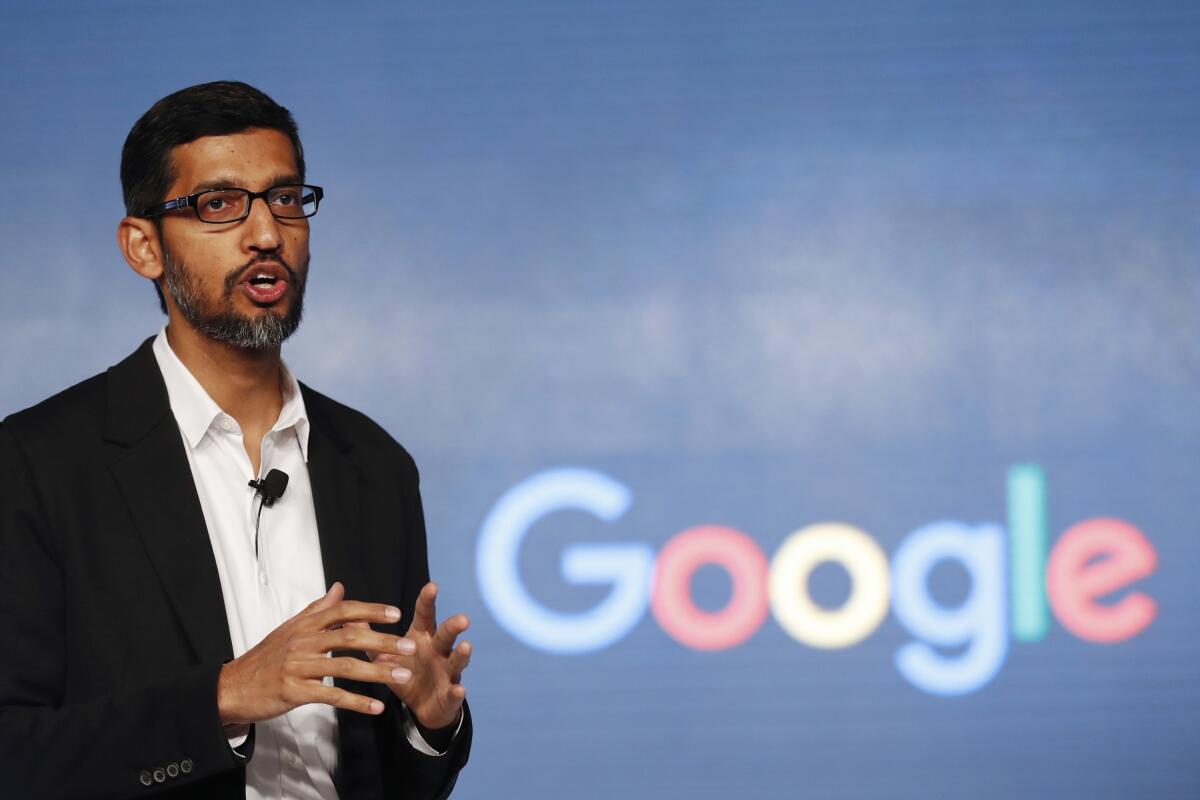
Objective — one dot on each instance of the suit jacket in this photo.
(114, 623)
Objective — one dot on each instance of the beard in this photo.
(224, 323)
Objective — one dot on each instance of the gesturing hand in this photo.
(432, 688)
(285, 670)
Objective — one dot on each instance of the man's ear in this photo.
(141, 245)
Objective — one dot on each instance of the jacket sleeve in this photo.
(413, 774)
(137, 741)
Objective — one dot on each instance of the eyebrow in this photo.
(229, 183)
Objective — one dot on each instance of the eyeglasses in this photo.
(220, 206)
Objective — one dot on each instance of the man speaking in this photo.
(213, 579)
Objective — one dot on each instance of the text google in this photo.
(1015, 584)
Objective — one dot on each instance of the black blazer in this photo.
(113, 622)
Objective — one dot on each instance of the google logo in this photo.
(1016, 581)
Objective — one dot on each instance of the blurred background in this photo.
(745, 264)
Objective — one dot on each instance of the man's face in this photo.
(242, 282)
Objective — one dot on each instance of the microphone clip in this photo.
(272, 487)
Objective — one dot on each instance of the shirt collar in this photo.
(196, 411)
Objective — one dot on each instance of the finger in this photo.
(340, 698)
(354, 611)
(459, 660)
(354, 669)
(365, 625)
(425, 614)
(391, 659)
(354, 637)
(443, 641)
(334, 595)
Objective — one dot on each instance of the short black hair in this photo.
(219, 108)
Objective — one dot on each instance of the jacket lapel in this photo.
(158, 489)
(335, 488)
(336, 493)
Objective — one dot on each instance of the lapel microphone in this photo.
(271, 487)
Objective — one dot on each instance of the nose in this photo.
(261, 229)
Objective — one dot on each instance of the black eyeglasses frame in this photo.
(189, 201)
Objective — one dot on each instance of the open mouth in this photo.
(265, 285)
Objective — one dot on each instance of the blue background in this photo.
(766, 264)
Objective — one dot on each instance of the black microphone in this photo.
(271, 487)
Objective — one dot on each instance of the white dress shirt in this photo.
(295, 754)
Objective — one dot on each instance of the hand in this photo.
(432, 690)
(285, 670)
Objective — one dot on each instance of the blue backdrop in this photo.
(617, 271)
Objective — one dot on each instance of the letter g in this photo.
(628, 567)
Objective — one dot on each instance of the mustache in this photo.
(234, 277)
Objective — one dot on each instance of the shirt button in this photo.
(145, 778)
(185, 766)
(172, 770)
(291, 759)
(160, 775)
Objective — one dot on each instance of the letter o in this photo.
(671, 599)
(794, 608)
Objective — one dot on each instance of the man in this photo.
(177, 622)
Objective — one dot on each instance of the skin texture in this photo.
(285, 670)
